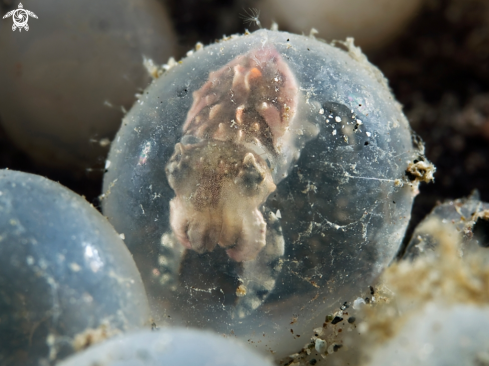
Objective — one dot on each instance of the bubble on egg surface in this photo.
(66, 82)
(241, 207)
(173, 346)
(66, 278)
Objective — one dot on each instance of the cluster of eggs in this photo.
(430, 308)
(255, 186)
(66, 82)
(261, 179)
(438, 312)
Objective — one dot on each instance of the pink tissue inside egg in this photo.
(251, 99)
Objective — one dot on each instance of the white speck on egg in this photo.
(75, 267)
(358, 302)
(320, 345)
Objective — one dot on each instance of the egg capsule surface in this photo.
(262, 179)
(66, 277)
(171, 346)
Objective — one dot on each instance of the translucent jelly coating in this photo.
(334, 221)
(66, 277)
(165, 347)
(437, 335)
(469, 216)
(66, 82)
(245, 113)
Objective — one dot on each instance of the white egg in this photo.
(169, 347)
(65, 81)
(371, 22)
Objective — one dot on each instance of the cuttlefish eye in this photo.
(251, 174)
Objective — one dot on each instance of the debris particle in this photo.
(336, 347)
(336, 320)
(198, 46)
(104, 142)
(91, 336)
(241, 291)
(151, 68)
(320, 345)
(421, 171)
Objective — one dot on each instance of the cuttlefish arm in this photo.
(218, 195)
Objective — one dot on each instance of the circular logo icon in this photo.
(20, 17)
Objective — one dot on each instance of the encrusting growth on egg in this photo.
(457, 279)
(421, 171)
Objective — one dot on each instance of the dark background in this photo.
(438, 68)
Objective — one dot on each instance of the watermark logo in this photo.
(20, 17)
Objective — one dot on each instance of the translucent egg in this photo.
(468, 215)
(174, 346)
(260, 183)
(65, 82)
(66, 277)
